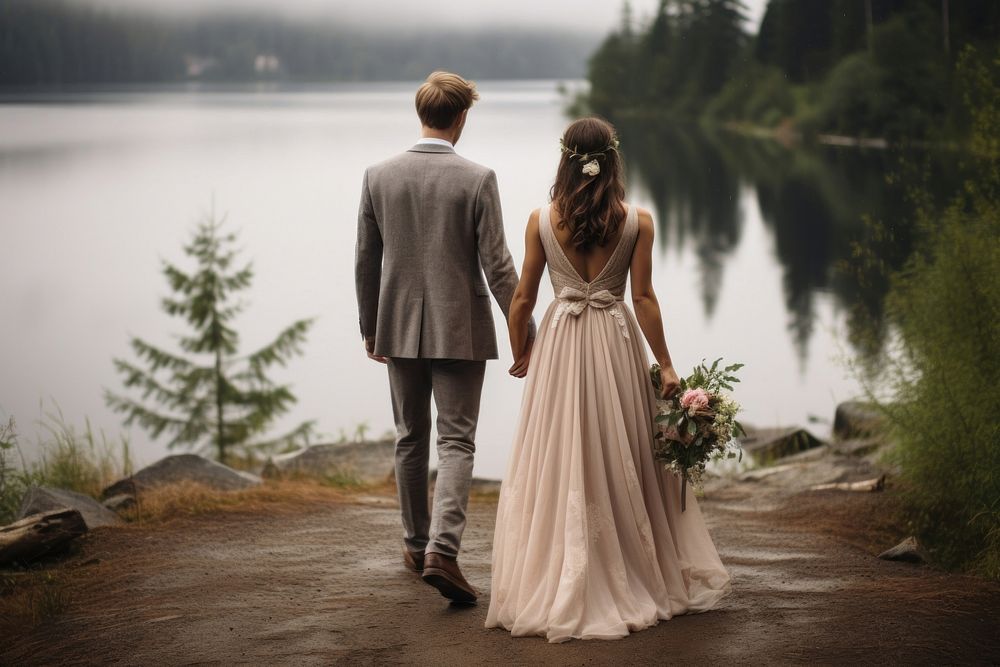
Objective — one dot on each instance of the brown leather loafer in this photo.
(442, 573)
(413, 560)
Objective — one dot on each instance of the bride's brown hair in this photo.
(590, 204)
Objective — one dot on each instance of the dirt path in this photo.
(323, 584)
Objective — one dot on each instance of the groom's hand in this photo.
(520, 367)
(370, 350)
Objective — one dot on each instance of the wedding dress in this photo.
(590, 541)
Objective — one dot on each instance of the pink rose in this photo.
(694, 400)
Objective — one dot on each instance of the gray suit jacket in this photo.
(429, 225)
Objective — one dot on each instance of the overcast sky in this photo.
(589, 15)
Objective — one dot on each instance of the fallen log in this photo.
(867, 485)
(40, 535)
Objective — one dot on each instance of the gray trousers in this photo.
(456, 386)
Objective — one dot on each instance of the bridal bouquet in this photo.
(697, 424)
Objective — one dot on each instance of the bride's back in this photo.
(591, 262)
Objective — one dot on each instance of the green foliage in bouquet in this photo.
(697, 424)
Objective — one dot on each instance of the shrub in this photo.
(943, 398)
(760, 95)
(852, 100)
(946, 306)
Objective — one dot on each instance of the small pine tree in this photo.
(213, 398)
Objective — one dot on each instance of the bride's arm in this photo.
(647, 308)
(525, 297)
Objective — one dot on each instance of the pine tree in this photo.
(719, 39)
(627, 21)
(209, 397)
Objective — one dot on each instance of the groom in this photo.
(429, 226)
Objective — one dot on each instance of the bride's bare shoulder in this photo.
(534, 218)
(645, 219)
(531, 229)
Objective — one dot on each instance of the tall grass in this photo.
(11, 482)
(68, 458)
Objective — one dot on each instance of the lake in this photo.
(96, 187)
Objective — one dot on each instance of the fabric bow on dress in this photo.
(573, 301)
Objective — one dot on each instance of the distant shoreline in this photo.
(28, 93)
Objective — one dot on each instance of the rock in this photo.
(856, 446)
(120, 502)
(184, 468)
(908, 551)
(40, 535)
(857, 419)
(365, 461)
(767, 444)
(40, 499)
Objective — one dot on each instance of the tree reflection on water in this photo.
(813, 200)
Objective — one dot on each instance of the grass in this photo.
(87, 462)
(335, 477)
(188, 499)
(11, 487)
(31, 598)
(484, 495)
(83, 461)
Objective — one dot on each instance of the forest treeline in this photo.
(57, 42)
(868, 68)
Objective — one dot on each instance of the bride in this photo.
(590, 540)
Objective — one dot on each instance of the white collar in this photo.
(435, 140)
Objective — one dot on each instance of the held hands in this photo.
(370, 350)
(669, 380)
(520, 367)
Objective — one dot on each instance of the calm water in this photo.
(96, 188)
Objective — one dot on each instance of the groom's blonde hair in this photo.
(442, 98)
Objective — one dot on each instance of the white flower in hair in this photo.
(592, 168)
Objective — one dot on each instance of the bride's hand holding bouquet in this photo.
(669, 382)
(695, 421)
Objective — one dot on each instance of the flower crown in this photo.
(591, 166)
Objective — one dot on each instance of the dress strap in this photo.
(545, 225)
(554, 254)
(630, 233)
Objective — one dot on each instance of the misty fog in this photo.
(577, 15)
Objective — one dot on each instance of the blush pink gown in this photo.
(590, 541)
